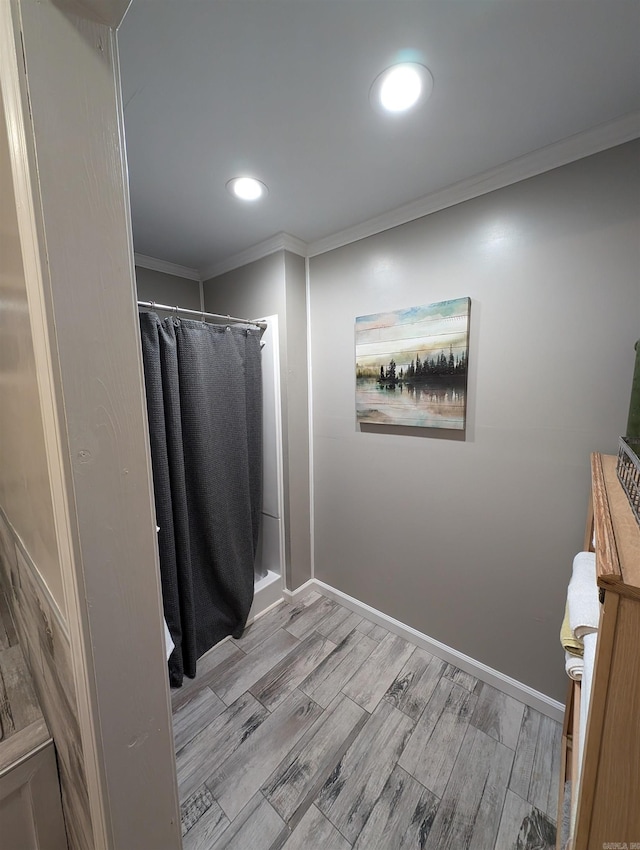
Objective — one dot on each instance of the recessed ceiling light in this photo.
(401, 87)
(247, 188)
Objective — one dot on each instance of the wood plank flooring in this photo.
(320, 730)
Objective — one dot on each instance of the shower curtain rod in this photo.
(153, 305)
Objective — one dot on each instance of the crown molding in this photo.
(573, 148)
(552, 156)
(279, 242)
(294, 245)
(166, 267)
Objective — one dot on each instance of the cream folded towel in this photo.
(582, 595)
(573, 664)
(569, 641)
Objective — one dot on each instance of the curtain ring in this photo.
(153, 305)
(175, 311)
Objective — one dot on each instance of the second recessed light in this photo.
(247, 188)
(401, 87)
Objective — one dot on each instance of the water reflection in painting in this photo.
(411, 366)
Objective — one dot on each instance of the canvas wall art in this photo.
(411, 366)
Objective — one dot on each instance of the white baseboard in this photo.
(518, 690)
(292, 595)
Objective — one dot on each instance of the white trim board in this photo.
(312, 489)
(604, 136)
(35, 258)
(600, 138)
(518, 690)
(201, 293)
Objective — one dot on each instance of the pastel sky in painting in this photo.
(403, 333)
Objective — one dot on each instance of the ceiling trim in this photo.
(279, 242)
(166, 267)
(602, 137)
(552, 156)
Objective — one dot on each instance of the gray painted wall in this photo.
(297, 446)
(251, 291)
(276, 285)
(472, 542)
(167, 289)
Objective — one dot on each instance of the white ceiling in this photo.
(280, 89)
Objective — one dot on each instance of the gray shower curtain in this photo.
(204, 401)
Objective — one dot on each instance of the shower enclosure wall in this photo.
(269, 566)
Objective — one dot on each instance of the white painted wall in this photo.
(471, 542)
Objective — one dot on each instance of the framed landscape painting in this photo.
(411, 366)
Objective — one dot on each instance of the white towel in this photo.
(582, 595)
(590, 642)
(169, 645)
(573, 664)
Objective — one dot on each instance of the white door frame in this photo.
(61, 92)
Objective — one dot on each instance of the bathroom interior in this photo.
(435, 560)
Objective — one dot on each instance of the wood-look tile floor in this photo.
(319, 730)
